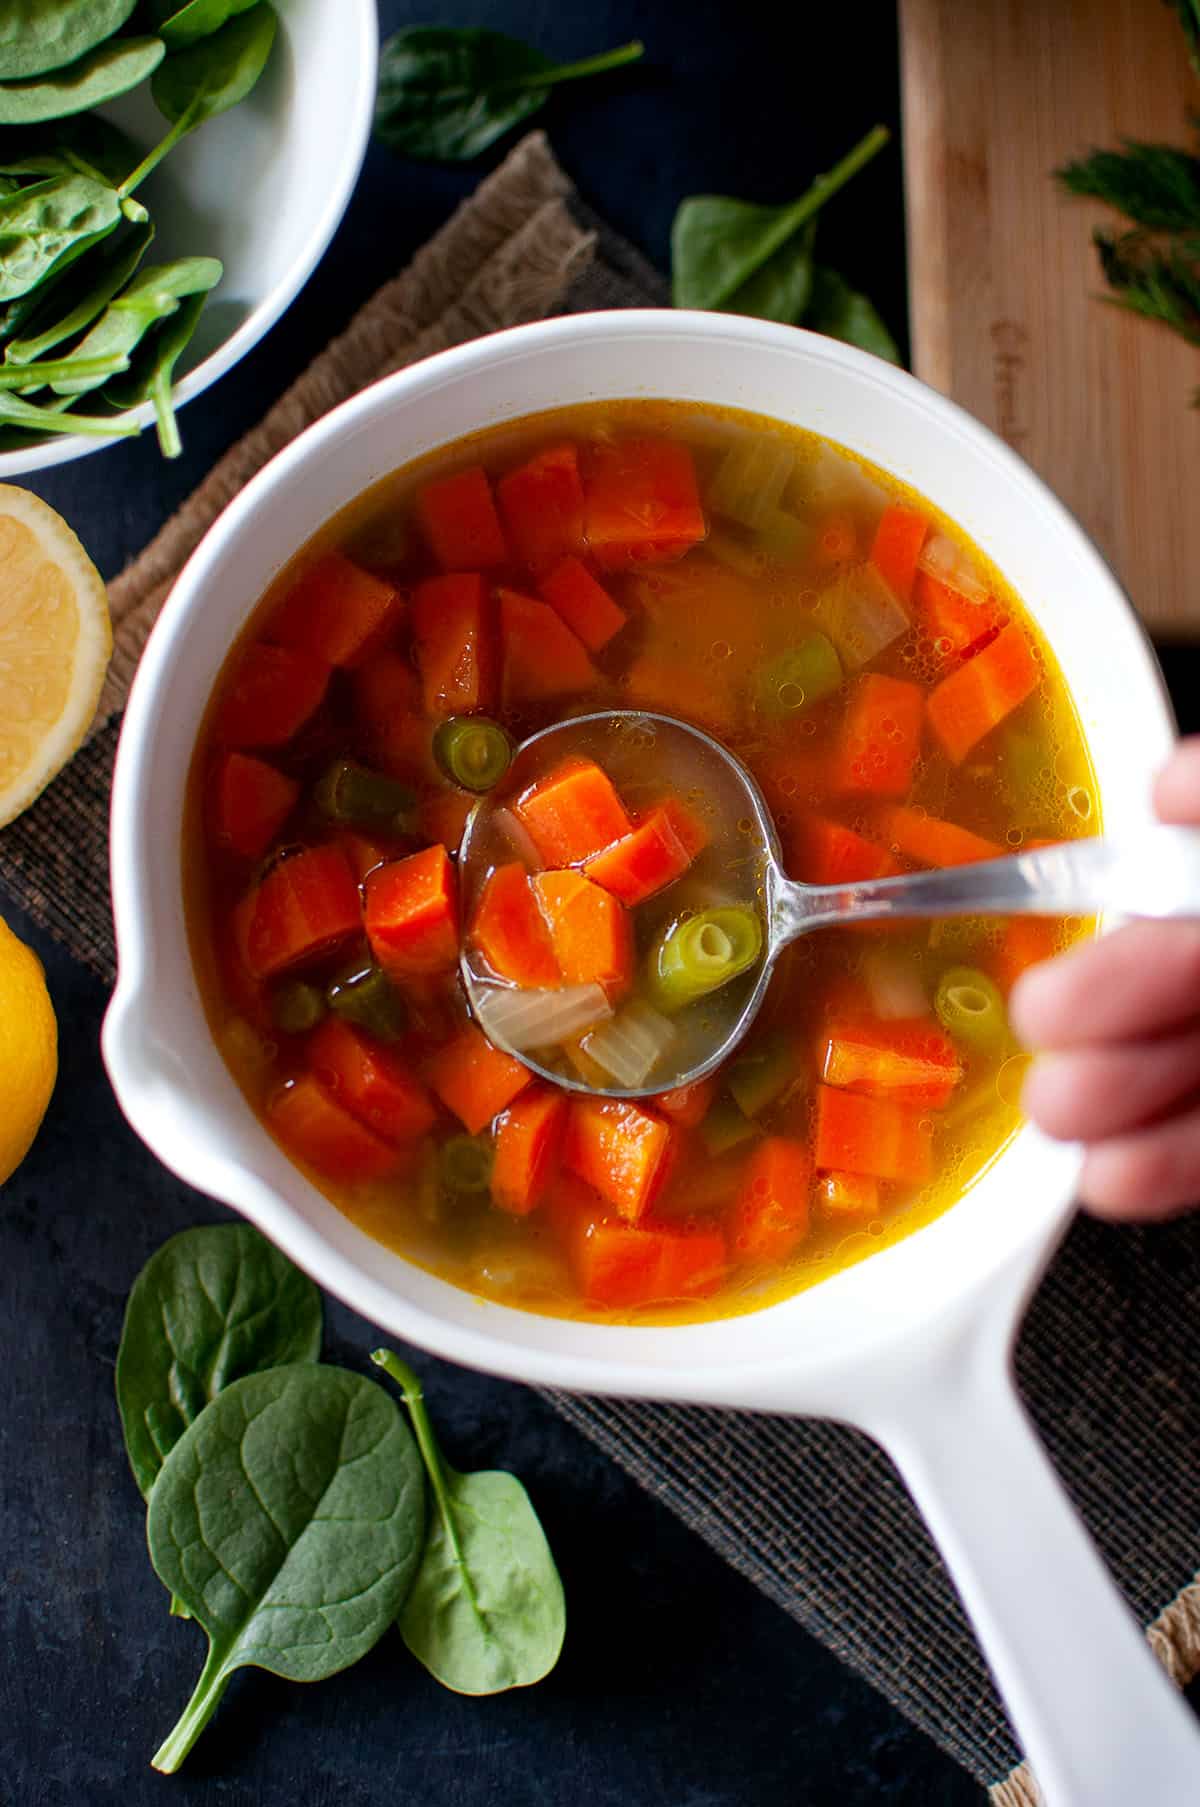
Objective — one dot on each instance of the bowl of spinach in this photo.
(170, 173)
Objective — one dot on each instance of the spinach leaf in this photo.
(719, 244)
(36, 376)
(152, 373)
(101, 75)
(179, 25)
(47, 224)
(486, 1611)
(289, 1520)
(448, 94)
(218, 71)
(74, 301)
(15, 412)
(152, 295)
(36, 35)
(211, 1305)
(207, 78)
(86, 145)
(843, 313)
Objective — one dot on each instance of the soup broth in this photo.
(896, 704)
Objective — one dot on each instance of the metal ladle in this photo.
(1152, 872)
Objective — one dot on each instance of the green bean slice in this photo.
(971, 1009)
(297, 1007)
(355, 797)
(701, 953)
(366, 997)
(473, 751)
(466, 1164)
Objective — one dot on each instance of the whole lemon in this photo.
(28, 1049)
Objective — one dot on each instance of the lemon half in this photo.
(55, 644)
(28, 1049)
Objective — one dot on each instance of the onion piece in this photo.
(894, 985)
(949, 564)
(860, 615)
(538, 1019)
(831, 480)
(751, 479)
(632, 1044)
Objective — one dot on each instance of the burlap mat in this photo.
(811, 1512)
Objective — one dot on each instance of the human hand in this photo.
(1116, 1024)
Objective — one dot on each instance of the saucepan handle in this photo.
(1098, 1719)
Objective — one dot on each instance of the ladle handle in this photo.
(1155, 872)
(1099, 1721)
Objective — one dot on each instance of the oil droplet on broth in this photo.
(1011, 1078)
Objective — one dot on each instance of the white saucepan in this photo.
(914, 1344)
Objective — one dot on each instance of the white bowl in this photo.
(910, 1344)
(263, 187)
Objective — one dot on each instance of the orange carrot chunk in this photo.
(475, 1080)
(770, 1215)
(573, 813)
(823, 852)
(1026, 941)
(913, 1062)
(899, 538)
(249, 802)
(954, 622)
(306, 906)
(590, 931)
(641, 505)
(387, 704)
(975, 698)
(848, 1195)
(585, 605)
(641, 863)
(336, 611)
(527, 1144)
(878, 1136)
(621, 1265)
(881, 737)
(510, 931)
(691, 833)
(541, 656)
(275, 690)
(454, 640)
(412, 913)
(621, 1150)
(542, 505)
(460, 521)
(314, 1128)
(371, 1082)
(932, 842)
(687, 1105)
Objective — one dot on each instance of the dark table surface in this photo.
(679, 1683)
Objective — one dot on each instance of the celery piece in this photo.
(761, 1075)
(725, 1126)
(354, 797)
(750, 480)
(805, 674)
(297, 1007)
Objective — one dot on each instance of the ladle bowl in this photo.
(1154, 871)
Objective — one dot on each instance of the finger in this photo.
(1177, 787)
(1150, 1173)
(1137, 982)
(1093, 1094)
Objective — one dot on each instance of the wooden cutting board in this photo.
(1003, 277)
